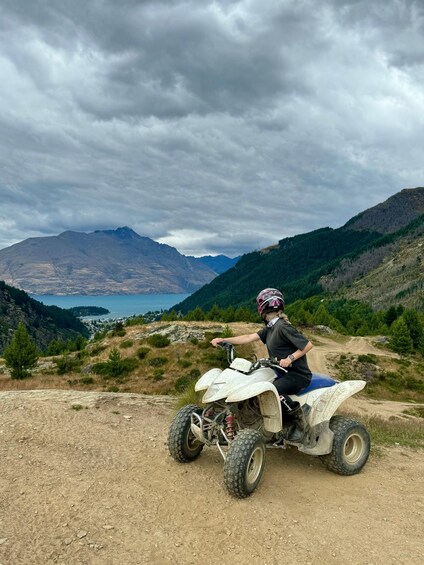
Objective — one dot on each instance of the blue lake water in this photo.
(119, 306)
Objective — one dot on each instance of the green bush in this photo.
(86, 380)
(67, 364)
(126, 343)
(118, 330)
(184, 363)
(158, 340)
(184, 382)
(142, 352)
(158, 361)
(158, 375)
(367, 358)
(96, 349)
(115, 367)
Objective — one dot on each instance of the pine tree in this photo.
(21, 355)
(401, 340)
(414, 326)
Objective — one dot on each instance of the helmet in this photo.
(269, 299)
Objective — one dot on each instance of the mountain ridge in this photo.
(116, 261)
(305, 264)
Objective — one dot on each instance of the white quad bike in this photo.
(242, 416)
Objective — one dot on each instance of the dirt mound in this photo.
(86, 478)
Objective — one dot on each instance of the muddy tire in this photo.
(245, 463)
(351, 446)
(182, 444)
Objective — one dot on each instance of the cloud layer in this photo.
(215, 127)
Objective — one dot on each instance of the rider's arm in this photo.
(296, 355)
(237, 340)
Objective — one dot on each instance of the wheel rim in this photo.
(353, 449)
(254, 467)
(192, 443)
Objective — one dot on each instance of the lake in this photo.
(119, 306)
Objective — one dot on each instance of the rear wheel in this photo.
(182, 443)
(245, 463)
(351, 446)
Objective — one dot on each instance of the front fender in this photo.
(269, 403)
(207, 379)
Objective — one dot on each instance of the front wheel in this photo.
(182, 443)
(351, 446)
(245, 463)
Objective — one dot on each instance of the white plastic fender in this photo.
(230, 381)
(269, 402)
(207, 379)
(226, 378)
(325, 401)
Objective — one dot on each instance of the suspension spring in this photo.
(230, 427)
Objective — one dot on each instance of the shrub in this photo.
(118, 330)
(67, 364)
(96, 350)
(158, 340)
(158, 361)
(86, 380)
(115, 367)
(142, 352)
(367, 358)
(126, 343)
(184, 382)
(100, 335)
(184, 363)
(158, 375)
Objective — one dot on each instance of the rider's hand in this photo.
(285, 362)
(216, 341)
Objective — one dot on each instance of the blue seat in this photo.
(318, 381)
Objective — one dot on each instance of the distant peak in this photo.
(122, 233)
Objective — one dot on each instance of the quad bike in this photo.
(242, 417)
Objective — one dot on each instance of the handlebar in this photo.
(272, 363)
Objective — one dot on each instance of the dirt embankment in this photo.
(85, 478)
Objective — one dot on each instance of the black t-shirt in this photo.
(281, 340)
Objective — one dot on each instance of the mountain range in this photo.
(376, 257)
(105, 262)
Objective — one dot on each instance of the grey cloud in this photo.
(217, 127)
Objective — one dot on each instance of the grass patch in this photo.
(395, 431)
(189, 396)
(417, 411)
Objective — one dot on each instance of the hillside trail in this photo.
(86, 478)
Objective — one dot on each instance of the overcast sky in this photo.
(214, 127)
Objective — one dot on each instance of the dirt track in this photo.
(96, 486)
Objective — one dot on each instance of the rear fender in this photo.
(325, 401)
(269, 403)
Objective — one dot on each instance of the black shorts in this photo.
(291, 383)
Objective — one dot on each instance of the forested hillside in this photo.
(296, 265)
(330, 260)
(43, 323)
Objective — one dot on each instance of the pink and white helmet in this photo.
(269, 299)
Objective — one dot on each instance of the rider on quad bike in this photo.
(289, 347)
